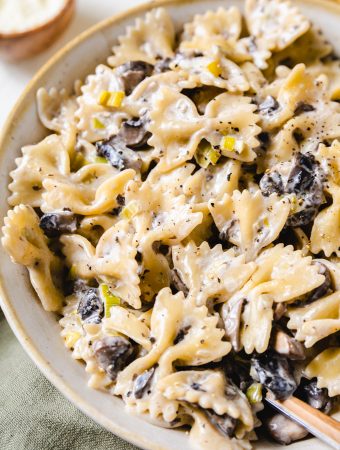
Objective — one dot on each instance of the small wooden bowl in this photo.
(16, 46)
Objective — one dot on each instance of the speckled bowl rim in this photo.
(5, 302)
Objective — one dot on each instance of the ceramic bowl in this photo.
(16, 46)
(37, 330)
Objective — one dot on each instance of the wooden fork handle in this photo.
(317, 423)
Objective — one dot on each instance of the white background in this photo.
(15, 76)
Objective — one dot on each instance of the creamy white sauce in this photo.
(23, 15)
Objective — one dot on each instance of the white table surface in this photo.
(15, 76)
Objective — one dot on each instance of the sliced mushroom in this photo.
(132, 73)
(112, 354)
(279, 311)
(306, 182)
(225, 424)
(302, 107)
(142, 383)
(228, 230)
(269, 105)
(231, 315)
(275, 373)
(271, 183)
(201, 96)
(316, 397)
(177, 282)
(55, 224)
(302, 177)
(284, 430)
(326, 287)
(118, 154)
(133, 133)
(287, 345)
(90, 307)
(238, 371)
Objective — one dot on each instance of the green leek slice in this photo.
(206, 154)
(254, 393)
(109, 299)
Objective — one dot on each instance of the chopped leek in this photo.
(231, 144)
(254, 393)
(97, 124)
(108, 298)
(101, 160)
(206, 154)
(228, 143)
(116, 99)
(112, 99)
(215, 68)
(104, 97)
(71, 338)
(130, 210)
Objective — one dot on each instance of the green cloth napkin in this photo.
(34, 415)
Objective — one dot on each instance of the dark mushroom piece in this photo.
(316, 397)
(201, 96)
(306, 181)
(90, 307)
(132, 73)
(275, 373)
(118, 154)
(237, 372)
(228, 230)
(133, 133)
(54, 224)
(302, 107)
(177, 282)
(284, 430)
(279, 311)
(224, 424)
(326, 287)
(112, 354)
(271, 183)
(302, 174)
(269, 105)
(143, 382)
(287, 345)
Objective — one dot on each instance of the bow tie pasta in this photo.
(46, 159)
(148, 40)
(22, 225)
(57, 112)
(325, 367)
(184, 220)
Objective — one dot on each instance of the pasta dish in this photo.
(183, 218)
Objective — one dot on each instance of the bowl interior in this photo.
(37, 330)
